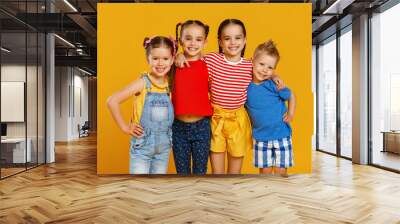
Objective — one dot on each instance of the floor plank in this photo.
(69, 191)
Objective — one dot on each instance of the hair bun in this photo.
(146, 42)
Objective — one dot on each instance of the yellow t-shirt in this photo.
(139, 100)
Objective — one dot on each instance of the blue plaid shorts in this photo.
(277, 153)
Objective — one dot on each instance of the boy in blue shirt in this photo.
(270, 118)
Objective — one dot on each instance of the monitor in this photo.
(3, 129)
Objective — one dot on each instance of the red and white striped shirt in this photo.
(228, 80)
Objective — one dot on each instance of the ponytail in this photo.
(177, 34)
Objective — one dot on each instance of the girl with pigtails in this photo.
(151, 123)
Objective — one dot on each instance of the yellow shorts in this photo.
(231, 131)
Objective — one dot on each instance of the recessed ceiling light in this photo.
(5, 50)
(84, 71)
(337, 7)
(64, 40)
(71, 6)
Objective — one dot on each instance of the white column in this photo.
(50, 94)
(360, 90)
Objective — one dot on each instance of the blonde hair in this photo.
(268, 48)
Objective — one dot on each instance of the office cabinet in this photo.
(391, 141)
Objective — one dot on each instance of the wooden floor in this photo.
(387, 159)
(69, 191)
(5, 172)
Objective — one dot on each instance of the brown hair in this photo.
(187, 23)
(229, 22)
(178, 34)
(157, 42)
(268, 48)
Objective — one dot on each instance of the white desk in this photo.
(18, 149)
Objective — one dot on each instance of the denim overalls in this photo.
(150, 153)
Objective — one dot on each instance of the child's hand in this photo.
(279, 82)
(288, 117)
(134, 130)
(180, 61)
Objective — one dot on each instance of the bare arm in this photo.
(114, 101)
(278, 81)
(291, 108)
(180, 60)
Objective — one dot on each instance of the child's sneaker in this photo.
(284, 175)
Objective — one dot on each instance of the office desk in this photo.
(16, 147)
(391, 141)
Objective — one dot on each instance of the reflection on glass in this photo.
(22, 90)
(31, 101)
(13, 87)
(314, 78)
(385, 87)
(394, 101)
(41, 98)
(346, 94)
(327, 96)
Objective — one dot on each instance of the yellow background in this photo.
(121, 58)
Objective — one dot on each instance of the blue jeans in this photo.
(191, 144)
(150, 153)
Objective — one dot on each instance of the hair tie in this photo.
(147, 42)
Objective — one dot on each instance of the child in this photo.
(230, 74)
(270, 118)
(191, 128)
(153, 113)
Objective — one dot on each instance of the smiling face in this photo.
(232, 41)
(263, 67)
(160, 60)
(192, 40)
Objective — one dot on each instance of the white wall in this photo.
(314, 91)
(80, 118)
(33, 127)
(71, 93)
(16, 73)
(61, 103)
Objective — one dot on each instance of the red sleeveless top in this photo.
(190, 90)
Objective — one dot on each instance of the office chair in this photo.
(84, 130)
